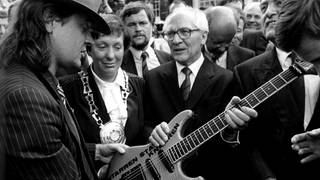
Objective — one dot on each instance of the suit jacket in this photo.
(237, 55)
(279, 118)
(254, 40)
(73, 88)
(208, 97)
(41, 136)
(129, 65)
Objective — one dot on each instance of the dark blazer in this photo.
(73, 88)
(43, 141)
(129, 65)
(254, 40)
(279, 118)
(237, 55)
(208, 97)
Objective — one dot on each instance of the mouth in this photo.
(270, 22)
(178, 50)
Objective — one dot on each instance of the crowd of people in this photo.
(81, 80)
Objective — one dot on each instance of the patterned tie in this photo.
(61, 94)
(185, 87)
(144, 57)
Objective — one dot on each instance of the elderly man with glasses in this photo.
(192, 82)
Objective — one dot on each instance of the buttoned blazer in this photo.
(237, 55)
(41, 136)
(129, 65)
(279, 118)
(208, 97)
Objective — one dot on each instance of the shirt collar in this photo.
(283, 58)
(119, 81)
(194, 67)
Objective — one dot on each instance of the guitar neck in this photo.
(218, 123)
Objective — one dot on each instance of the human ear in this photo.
(204, 37)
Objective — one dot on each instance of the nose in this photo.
(176, 39)
(110, 53)
(271, 11)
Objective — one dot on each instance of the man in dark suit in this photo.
(138, 17)
(222, 28)
(191, 81)
(37, 127)
(294, 109)
(254, 40)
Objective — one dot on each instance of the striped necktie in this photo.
(185, 87)
(144, 57)
(61, 94)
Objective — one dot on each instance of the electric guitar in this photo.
(149, 162)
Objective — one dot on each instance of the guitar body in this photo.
(146, 162)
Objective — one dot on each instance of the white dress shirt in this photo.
(222, 60)
(194, 67)
(152, 60)
(112, 97)
(312, 87)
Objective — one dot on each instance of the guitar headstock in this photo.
(301, 66)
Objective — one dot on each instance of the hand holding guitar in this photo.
(307, 143)
(105, 152)
(238, 117)
(235, 117)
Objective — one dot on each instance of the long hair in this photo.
(297, 17)
(27, 42)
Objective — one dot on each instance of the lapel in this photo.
(315, 122)
(128, 63)
(201, 83)
(231, 59)
(98, 100)
(51, 83)
(169, 81)
(133, 109)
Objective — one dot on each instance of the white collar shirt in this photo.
(194, 67)
(112, 97)
(152, 60)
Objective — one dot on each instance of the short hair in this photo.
(297, 17)
(27, 42)
(197, 16)
(176, 3)
(117, 28)
(134, 8)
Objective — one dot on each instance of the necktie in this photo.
(185, 87)
(61, 94)
(144, 57)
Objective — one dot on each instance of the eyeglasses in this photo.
(183, 33)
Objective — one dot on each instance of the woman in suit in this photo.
(107, 100)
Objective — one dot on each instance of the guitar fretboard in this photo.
(218, 123)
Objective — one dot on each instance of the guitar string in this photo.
(137, 172)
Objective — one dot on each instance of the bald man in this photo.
(222, 28)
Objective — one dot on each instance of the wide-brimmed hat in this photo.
(90, 8)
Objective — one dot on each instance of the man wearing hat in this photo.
(38, 131)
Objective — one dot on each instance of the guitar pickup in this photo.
(166, 161)
(154, 172)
